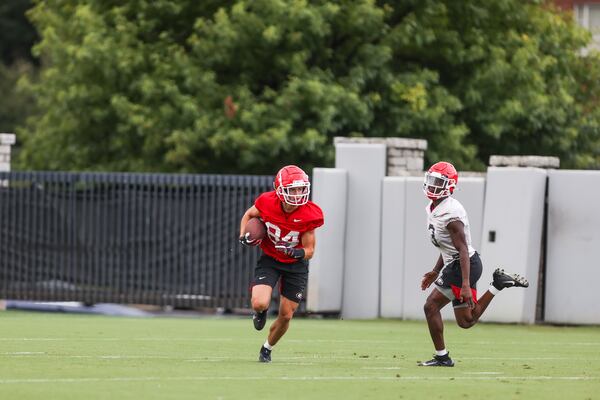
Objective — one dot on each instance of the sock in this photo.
(493, 290)
(442, 352)
(267, 345)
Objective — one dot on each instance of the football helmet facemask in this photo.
(292, 185)
(440, 180)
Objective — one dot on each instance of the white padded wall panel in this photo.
(471, 193)
(572, 267)
(513, 212)
(329, 191)
(392, 246)
(366, 164)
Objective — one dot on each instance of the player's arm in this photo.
(304, 253)
(439, 264)
(457, 234)
(431, 276)
(252, 212)
(308, 242)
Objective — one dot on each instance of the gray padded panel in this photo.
(329, 191)
(514, 210)
(392, 246)
(572, 267)
(471, 193)
(366, 164)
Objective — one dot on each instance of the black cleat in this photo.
(264, 355)
(438, 361)
(503, 280)
(259, 319)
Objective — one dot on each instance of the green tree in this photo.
(517, 69)
(15, 104)
(246, 86)
(17, 35)
(16, 32)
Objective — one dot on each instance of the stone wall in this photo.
(7, 140)
(525, 161)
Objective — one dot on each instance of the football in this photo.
(256, 228)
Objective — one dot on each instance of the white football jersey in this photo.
(445, 212)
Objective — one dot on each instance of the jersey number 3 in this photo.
(274, 232)
(432, 230)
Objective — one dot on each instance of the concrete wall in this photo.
(329, 187)
(572, 266)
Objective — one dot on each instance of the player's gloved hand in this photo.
(290, 251)
(246, 241)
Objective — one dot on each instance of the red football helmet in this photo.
(292, 185)
(440, 180)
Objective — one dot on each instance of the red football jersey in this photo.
(286, 228)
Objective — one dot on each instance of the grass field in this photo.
(58, 356)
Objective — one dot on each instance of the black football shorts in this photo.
(450, 281)
(292, 277)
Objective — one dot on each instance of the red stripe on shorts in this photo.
(456, 291)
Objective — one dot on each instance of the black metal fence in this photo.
(126, 238)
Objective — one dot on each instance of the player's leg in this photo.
(433, 305)
(265, 279)
(466, 317)
(280, 326)
(261, 298)
(439, 298)
(292, 285)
